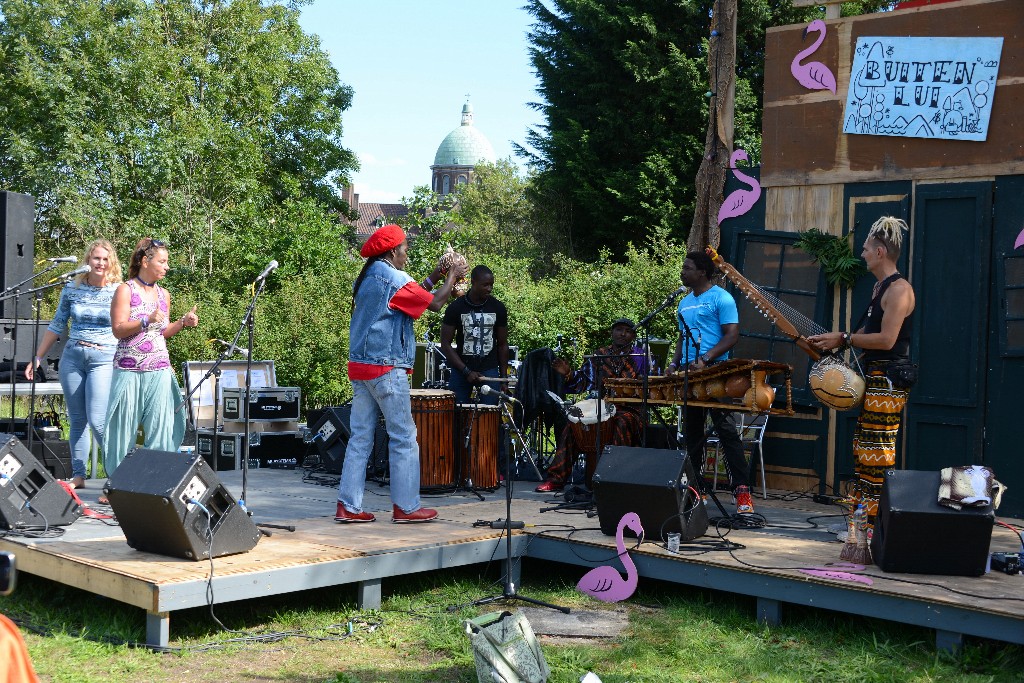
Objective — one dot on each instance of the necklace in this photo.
(144, 283)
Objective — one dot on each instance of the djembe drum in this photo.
(478, 463)
(433, 412)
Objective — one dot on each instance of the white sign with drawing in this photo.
(939, 88)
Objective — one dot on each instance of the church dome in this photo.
(465, 146)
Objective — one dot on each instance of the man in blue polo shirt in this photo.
(710, 313)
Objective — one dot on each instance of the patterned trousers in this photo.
(874, 440)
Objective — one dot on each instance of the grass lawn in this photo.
(674, 634)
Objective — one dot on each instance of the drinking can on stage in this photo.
(266, 404)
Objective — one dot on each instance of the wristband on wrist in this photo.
(465, 370)
(39, 360)
(429, 283)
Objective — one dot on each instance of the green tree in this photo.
(623, 94)
(204, 122)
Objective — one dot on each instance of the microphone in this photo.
(77, 271)
(676, 293)
(487, 390)
(63, 259)
(271, 267)
(232, 349)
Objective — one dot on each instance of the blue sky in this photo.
(411, 64)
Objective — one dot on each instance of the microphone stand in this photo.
(508, 588)
(645, 324)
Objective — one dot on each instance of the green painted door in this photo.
(950, 273)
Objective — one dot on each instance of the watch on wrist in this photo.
(466, 370)
(704, 359)
(846, 338)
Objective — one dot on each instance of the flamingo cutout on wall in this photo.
(606, 583)
(739, 201)
(1019, 242)
(813, 75)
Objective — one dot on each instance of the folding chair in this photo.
(751, 429)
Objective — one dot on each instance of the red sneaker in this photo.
(744, 504)
(421, 515)
(549, 486)
(346, 517)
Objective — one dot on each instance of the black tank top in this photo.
(873, 323)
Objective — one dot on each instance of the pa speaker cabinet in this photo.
(151, 493)
(655, 484)
(54, 455)
(29, 495)
(915, 535)
(17, 251)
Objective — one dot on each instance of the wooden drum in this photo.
(433, 411)
(478, 464)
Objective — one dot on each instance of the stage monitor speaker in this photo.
(655, 483)
(17, 250)
(29, 495)
(331, 434)
(152, 494)
(915, 535)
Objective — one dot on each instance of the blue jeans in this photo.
(457, 383)
(388, 395)
(85, 378)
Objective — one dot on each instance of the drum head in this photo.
(431, 393)
(585, 412)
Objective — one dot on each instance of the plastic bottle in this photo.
(850, 546)
(863, 554)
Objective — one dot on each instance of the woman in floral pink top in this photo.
(144, 390)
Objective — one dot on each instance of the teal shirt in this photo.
(705, 314)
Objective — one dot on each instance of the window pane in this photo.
(1015, 303)
(800, 271)
(752, 321)
(761, 263)
(1014, 271)
(1015, 335)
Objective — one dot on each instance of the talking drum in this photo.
(433, 412)
(478, 426)
(836, 384)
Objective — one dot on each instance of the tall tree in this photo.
(624, 90)
(200, 121)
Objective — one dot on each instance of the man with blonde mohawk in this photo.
(885, 338)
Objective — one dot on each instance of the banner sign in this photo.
(923, 87)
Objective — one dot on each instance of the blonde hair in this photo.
(113, 274)
(888, 231)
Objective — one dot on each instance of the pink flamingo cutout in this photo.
(739, 201)
(605, 583)
(1020, 240)
(813, 75)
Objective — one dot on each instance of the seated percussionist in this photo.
(620, 360)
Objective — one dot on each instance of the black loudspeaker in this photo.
(151, 493)
(29, 495)
(54, 455)
(17, 251)
(915, 535)
(655, 484)
(331, 434)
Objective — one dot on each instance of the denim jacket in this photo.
(379, 335)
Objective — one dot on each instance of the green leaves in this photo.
(840, 265)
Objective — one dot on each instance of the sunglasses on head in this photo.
(157, 243)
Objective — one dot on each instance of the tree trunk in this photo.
(718, 144)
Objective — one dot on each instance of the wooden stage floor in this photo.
(94, 557)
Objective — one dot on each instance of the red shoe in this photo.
(549, 486)
(421, 515)
(345, 517)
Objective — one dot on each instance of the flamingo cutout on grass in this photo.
(739, 201)
(606, 583)
(813, 75)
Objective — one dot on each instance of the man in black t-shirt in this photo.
(478, 323)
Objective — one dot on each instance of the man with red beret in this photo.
(382, 347)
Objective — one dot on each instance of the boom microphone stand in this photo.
(509, 590)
